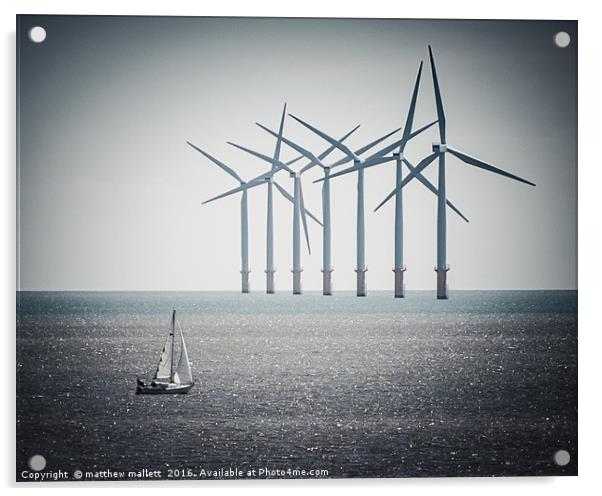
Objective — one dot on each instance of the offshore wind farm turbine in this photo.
(299, 210)
(399, 267)
(439, 151)
(244, 218)
(359, 165)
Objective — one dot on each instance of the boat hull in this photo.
(164, 389)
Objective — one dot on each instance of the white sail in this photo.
(183, 373)
(165, 366)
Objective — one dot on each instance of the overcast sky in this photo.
(110, 194)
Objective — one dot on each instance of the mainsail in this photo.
(165, 366)
(183, 374)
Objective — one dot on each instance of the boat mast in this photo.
(173, 333)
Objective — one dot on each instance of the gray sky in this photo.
(110, 195)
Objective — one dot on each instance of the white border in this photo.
(590, 175)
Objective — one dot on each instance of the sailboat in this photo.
(169, 377)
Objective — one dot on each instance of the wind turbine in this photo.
(359, 165)
(244, 218)
(398, 156)
(439, 151)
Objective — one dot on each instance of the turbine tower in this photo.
(399, 267)
(439, 151)
(359, 165)
(327, 267)
(244, 218)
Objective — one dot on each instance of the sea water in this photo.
(482, 384)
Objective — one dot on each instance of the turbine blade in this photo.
(277, 163)
(483, 165)
(432, 188)
(293, 145)
(325, 137)
(349, 133)
(381, 152)
(438, 100)
(407, 130)
(261, 178)
(367, 147)
(280, 130)
(342, 161)
(291, 162)
(240, 188)
(400, 143)
(387, 149)
(419, 168)
(453, 207)
(308, 166)
(283, 192)
(286, 195)
(332, 148)
(369, 162)
(304, 216)
(223, 166)
(329, 150)
(423, 128)
(340, 173)
(376, 161)
(387, 198)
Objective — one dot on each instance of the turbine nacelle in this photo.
(439, 147)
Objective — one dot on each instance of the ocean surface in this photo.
(482, 384)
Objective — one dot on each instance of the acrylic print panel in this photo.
(201, 297)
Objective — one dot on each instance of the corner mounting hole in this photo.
(562, 458)
(37, 34)
(37, 463)
(562, 39)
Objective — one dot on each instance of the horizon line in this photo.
(287, 291)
